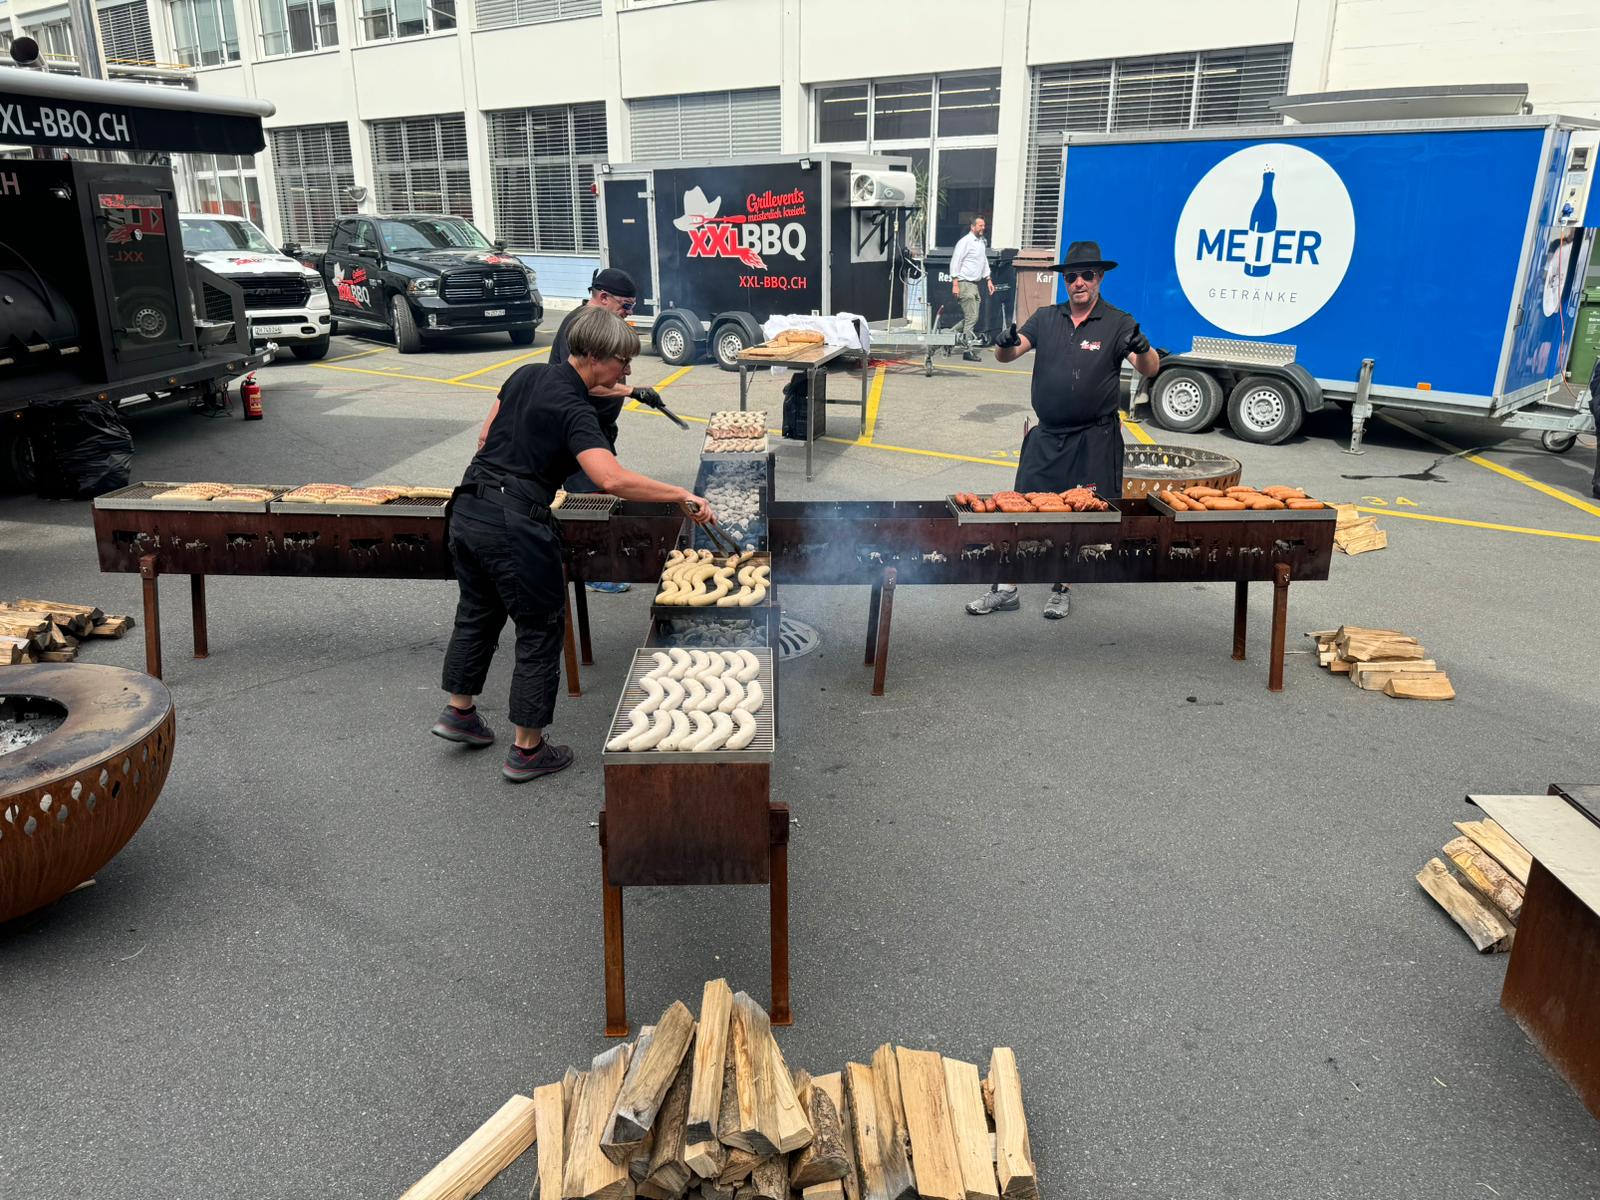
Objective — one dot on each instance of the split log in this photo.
(831, 1190)
(928, 1123)
(733, 1166)
(1477, 920)
(737, 1168)
(550, 1127)
(58, 655)
(702, 1151)
(769, 1181)
(710, 1189)
(590, 1175)
(14, 650)
(883, 1176)
(825, 1159)
(1371, 676)
(1372, 647)
(1434, 685)
(24, 627)
(891, 1109)
(1013, 1151)
(654, 1067)
(794, 1128)
(1504, 848)
(832, 1086)
(974, 1142)
(490, 1149)
(1485, 876)
(754, 1124)
(112, 627)
(61, 606)
(667, 1167)
(625, 1154)
(75, 623)
(652, 1191)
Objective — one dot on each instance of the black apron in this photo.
(1054, 460)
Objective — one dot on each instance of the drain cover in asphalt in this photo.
(796, 639)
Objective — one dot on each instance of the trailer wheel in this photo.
(1265, 410)
(1558, 443)
(406, 338)
(728, 340)
(1185, 400)
(674, 342)
(18, 464)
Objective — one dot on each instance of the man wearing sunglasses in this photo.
(1077, 390)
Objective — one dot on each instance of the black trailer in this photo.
(719, 247)
(99, 303)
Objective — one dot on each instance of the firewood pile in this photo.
(1382, 660)
(1356, 534)
(708, 1109)
(50, 631)
(1484, 893)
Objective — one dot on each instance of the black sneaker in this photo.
(972, 356)
(544, 759)
(466, 728)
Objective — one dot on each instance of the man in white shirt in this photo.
(969, 266)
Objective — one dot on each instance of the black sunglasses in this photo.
(1088, 276)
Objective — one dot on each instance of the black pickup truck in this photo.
(424, 274)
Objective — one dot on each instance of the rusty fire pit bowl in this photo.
(84, 752)
(1147, 469)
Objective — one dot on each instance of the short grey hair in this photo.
(596, 333)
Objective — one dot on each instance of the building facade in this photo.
(503, 110)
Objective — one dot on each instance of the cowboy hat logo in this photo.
(712, 235)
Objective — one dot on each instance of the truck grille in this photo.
(508, 283)
(275, 291)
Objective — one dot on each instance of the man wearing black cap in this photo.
(1077, 390)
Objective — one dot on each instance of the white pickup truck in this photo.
(285, 301)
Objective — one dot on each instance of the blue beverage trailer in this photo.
(1430, 265)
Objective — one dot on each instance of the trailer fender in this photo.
(1305, 383)
(1230, 372)
(725, 328)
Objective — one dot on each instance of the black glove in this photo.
(651, 397)
(1138, 343)
(1011, 338)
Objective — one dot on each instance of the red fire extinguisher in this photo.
(250, 393)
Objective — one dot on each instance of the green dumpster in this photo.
(1586, 342)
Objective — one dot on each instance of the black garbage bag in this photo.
(84, 450)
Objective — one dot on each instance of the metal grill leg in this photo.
(580, 599)
(1280, 624)
(569, 647)
(197, 603)
(1241, 609)
(152, 615)
(616, 988)
(874, 604)
(778, 917)
(880, 666)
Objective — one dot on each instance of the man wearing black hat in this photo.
(1077, 390)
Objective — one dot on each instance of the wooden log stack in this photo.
(50, 631)
(1484, 893)
(1382, 660)
(1356, 534)
(706, 1108)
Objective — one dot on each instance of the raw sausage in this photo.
(654, 693)
(682, 727)
(681, 661)
(753, 697)
(659, 728)
(735, 693)
(674, 696)
(637, 724)
(746, 731)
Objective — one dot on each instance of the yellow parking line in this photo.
(1137, 430)
(869, 419)
(1517, 476)
(482, 387)
(674, 377)
(508, 362)
(992, 462)
(359, 354)
(1550, 533)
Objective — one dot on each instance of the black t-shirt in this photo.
(546, 419)
(609, 408)
(1077, 371)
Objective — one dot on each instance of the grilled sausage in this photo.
(1303, 504)
(1223, 504)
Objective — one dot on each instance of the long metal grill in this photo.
(506, 283)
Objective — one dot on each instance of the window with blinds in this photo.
(1169, 91)
(705, 125)
(125, 34)
(419, 164)
(204, 32)
(542, 164)
(497, 14)
(315, 172)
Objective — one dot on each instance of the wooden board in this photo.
(1504, 848)
(1485, 876)
(755, 1123)
(622, 1154)
(1371, 676)
(1429, 685)
(550, 1127)
(1013, 1151)
(490, 1149)
(650, 1074)
(832, 1190)
(881, 1178)
(970, 1124)
(589, 1174)
(705, 1091)
(1366, 647)
(928, 1121)
(892, 1136)
(769, 1181)
(1478, 921)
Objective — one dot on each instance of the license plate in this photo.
(494, 312)
(268, 331)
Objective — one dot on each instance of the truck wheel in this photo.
(311, 351)
(674, 342)
(1185, 400)
(406, 338)
(523, 337)
(1558, 443)
(1265, 410)
(727, 341)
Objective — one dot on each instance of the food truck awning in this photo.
(39, 109)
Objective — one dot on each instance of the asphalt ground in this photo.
(339, 944)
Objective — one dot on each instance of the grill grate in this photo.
(585, 506)
(140, 496)
(761, 749)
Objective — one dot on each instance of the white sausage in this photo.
(659, 729)
(653, 693)
(681, 662)
(752, 666)
(753, 697)
(701, 661)
(674, 696)
(695, 700)
(637, 724)
(714, 667)
(715, 691)
(702, 728)
(745, 733)
(735, 693)
(663, 664)
(682, 727)
(722, 726)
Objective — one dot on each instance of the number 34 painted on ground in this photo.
(1398, 502)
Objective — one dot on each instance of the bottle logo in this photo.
(1265, 239)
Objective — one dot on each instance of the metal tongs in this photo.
(660, 406)
(720, 541)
